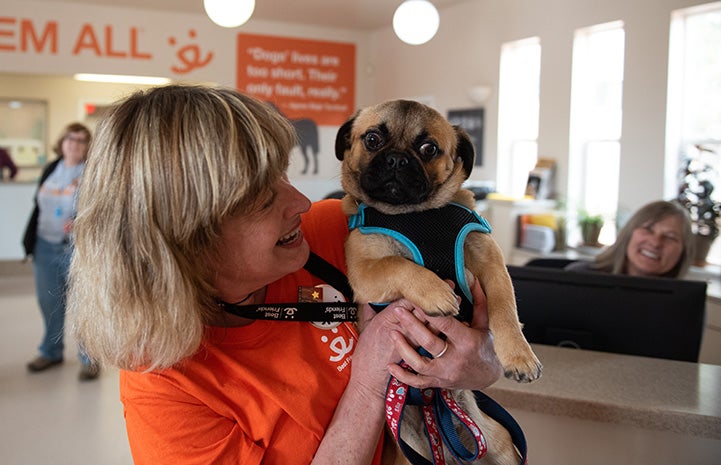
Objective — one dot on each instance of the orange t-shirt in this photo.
(262, 393)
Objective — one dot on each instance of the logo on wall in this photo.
(190, 56)
(131, 44)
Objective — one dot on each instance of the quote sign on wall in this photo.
(308, 79)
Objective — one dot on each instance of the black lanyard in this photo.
(327, 312)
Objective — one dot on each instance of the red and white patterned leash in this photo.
(396, 398)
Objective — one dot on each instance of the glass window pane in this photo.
(702, 86)
(601, 190)
(524, 156)
(694, 100)
(518, 114)
(596, 117)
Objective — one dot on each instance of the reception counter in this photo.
(598, 408)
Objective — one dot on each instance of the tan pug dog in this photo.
(400, 157)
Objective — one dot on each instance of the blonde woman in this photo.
(185, 211)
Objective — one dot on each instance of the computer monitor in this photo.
(652, 317)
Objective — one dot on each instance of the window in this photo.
(694, 98)
(518, 104)
(595, 130)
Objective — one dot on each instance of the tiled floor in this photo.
(51, 418)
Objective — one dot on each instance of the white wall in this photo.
(466, 53)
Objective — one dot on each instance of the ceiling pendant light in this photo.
(415, 22)
(229, 13)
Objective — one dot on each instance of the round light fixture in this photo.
(229, 13)
(415, 22)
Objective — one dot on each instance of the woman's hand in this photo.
(375, 352)
(467, 359)
(469, 362)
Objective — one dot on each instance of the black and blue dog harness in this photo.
(433, 237)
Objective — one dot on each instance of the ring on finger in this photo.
(445, 348)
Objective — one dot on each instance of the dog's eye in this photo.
(373, 140)
(428, 149)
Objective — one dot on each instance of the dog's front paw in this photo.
(435, 300)
(523, 370)
(441, 304)
(518, 361)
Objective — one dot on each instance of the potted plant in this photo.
(590, 228)
(694, 194)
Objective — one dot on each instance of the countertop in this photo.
(649, 393)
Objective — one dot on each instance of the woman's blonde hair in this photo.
(167, 166)
(614, 258)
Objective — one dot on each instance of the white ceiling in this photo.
(344, 14)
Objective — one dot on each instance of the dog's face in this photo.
(401, 156)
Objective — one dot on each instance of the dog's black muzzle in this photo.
(396, 178)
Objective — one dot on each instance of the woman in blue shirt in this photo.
(48, 240)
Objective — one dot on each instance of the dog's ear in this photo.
(342, 139)
(465, 150)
